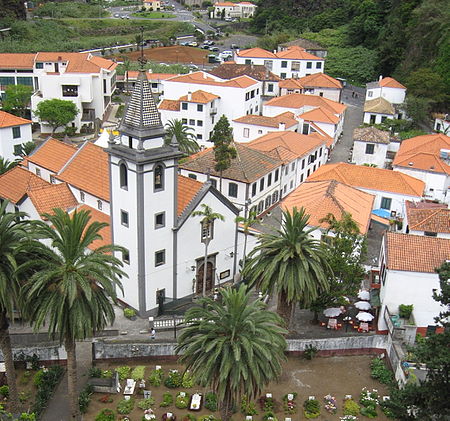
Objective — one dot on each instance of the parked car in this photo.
(215, 49)
(193, 44)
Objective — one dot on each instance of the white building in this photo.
(14, 131)
(442, 124)
(227, 10)
(387, 88)
(250, 127)
(390, 188)
(372, 146)
(155, 79)
(427, 158)
(153, 5)
(427, 218)
(407, 276)
(17, 69)
(376, 111)
(293, 62)
(316, 84)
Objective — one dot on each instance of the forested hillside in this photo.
(12, 9)
(407, 39)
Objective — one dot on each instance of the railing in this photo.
(88, 115)
(165, 324)
(213, 111)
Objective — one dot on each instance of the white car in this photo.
(226, 54)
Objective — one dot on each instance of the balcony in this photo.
(213, 111)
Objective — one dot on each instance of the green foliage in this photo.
(48, 381)
(16, 99)
(154, 15)
(107, 374)
(124, 372)
(211, 401)
(6, 165)
(183, 134)
(156, 376)
(310, 352)
(138, 372)
(125, 406)
(153, 66)
(25, 379)
(85, 398)
(418, 109)
(167, 400)
(70, 10)
(56, 112)
(146, 403)
(369, 412)
(95, 372)
(269, 416)
(351, 407)
(405, 310)
(189, 417)
(26, 149)
(380, 372)
(271, 42)
(311, 408)
(38, 377)
(4, 391)
(106, 415)
(369, 401)
(248, 407)
(173, 380)
(182, 402)
(188, 380)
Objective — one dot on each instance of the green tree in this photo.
(56, 112)
(291, 263)
(222, 14)
(184, 135)
(427, 83)
(13, 244)
(207, 222)
(224, 152)
(6, 165)
(17, 99)
(26, 148)
(418, 109)
(74, 289)
(247, 223)
(234, 347)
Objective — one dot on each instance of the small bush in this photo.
(48, 380)
(37, 380)
(167, 400)
(129, 313)
(182, 402)
(269, 416)
(25, 379)
(311, 408)
(24, 396)
(211, 401)
(405, 310)
(95, 372)
(310, 352)
(189, 417)
(107, 374)
(24, 416)
(106, 415)
(380, 372)
(247, 406)
(124, 372)
(156, 377)
(125, 406)
(85, 398)
(138, 373)
(4, 391)
(146, 403)
(187, 381)
(369, 412)
(173, 380)
(351, 407)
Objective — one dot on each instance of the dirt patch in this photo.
(338, 376)
(173, 54)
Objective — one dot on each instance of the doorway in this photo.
(209, 277)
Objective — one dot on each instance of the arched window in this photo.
(275, 196)
(260, 206)
(268, 201)
(159, 177)
(123, 176)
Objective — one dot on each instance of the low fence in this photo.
(46, 353)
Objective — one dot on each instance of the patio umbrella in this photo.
(363, 305)
(363, 316)
(332, 312)
(364, 295)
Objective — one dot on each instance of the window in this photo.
(309, 64)
(268, 201)
(303, 164)
(259, 131)
(17, 149)
(193, 176)
(38, 172)
(430, 233)
(305, 129)
(293, 166)
(160, 220)
(82, 196)
(295, 66)
(286, 169)
(370, 148)
(184, 106)
(184, 120)
(213, 182)
(246, 132)
(383, 118)
(256, 109)
(200, 107)
(159, 178)
(123, 176)
(247, 61)
(104, 86)
(126, 256)
(284, 189)
(292, 184)
(39, 65)
(370, 94)
(199, 123)
(268, 64)
(283, 75)
(99, 205)
(319, 65)
(277, 173)
(191, 122)
(270, 87)
(254, 187)
(154, 85)
(247, 96)
(269, 179)
(260, 206)
(275, 196)
(284, 64)
(301, 178)
(199, 137)
(320, 93)
(28, 80)
(16, 132)
(7, 80)
(69, 90)
(252, 94)
(232, 190)
(320, 151)
(261, 184)
(124, 218)
(373, 118)
(386, 203)
(253, 209)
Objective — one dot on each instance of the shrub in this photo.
(85, 398)
(138, 372)
(188, 380)
(24, 416)
(4, 391)
(268, 404)
(167, 400)
(207, 418)
(211, 401)
(182, 400)
(129, 313)
(124, 372)
(310, 352)
(173, 380)
(106, 399)
(24, 396)
(37, 380)
(107, 374)
(368, 398)
(380, 372)
(156, 377)
(405, 310)
(45, 387)
(290, 407)
(369, 412)
(311, 408)
(189, 417)
(146, 403)
(351, 407)
(106, 415)
(95, 372)
(25, 379)
(269, 416)
(125, 406)
(247, 406)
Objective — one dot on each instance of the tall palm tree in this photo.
(13, 245)
(289, 262)
(6, 165)
(208, 218)
(184, 135)
(247, 222)
(75, 288)
(234, 347)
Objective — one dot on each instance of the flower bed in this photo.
(330, 404)
(311, 408)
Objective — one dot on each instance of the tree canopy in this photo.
(56, 112)
(16, 99)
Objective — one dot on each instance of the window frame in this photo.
(124, 218)
(158, 186)
(16, 130)
(163, 253)
(370, 149)
(163, 223)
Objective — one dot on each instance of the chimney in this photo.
(274, 51)
(189, 96)
(204, 75)
(282, 127)
(381, 77)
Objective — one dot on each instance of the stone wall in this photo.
(47, 353)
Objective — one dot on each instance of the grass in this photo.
(80, 34)
(70, 10)
(154, 15)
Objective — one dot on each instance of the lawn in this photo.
(154, 15)
(337, 376)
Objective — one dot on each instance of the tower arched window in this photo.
(159, 178)
(123, 176)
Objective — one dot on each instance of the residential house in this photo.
(14, 131)
(250, 127)
(290, 86)
(155, 79)
(17, 69)
(427, 158)
(378, 110)
(387, 88)
(408, 276)
(293, 62)
(321, 198)
(152, 5)
(311, 47)
(427, 218)
(323, 85)
(390, 188)
(442, 123)
(227, 10)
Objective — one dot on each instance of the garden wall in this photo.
(48, 354)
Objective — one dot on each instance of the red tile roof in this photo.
(52, 155)
(187, 190)
(200, 97)
(17, 60)
(390, 82)
(290, 84)
(8, 120)
(320, 80)
(78, 62)
(301, 100)
(17, 182)
(47, 198)
(203, 78)
(297, 53)
(432, 220)
(321, 115)
(256, 52)
(229, 70)
(170, 105)
(258, 120)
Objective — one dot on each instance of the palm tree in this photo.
(184, 135)
(74, 289)
(13, 245)
(289, 262)
(208, 218)
(234, 347)
(6, 165)
(247, 222)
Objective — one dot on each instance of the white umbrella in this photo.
(363, 305)
(332, 312)
(364, 316)
(364, 295)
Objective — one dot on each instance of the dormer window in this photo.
(159, 178)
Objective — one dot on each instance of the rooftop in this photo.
(370, 178)
(78, 62)
(169, 105)
(390, 82)
(379, 106)
(200, 97)
(371, 134)
(52, 154)
(17, 182)
(321, 115)
(133, 74)
(97, 216)
(301, 100)
(432, 219)
(290, 84)
(415, 253)
(258, 120)
(9, 120)
(203, 78)
(47, 198)
(17, 60)
(293, 52)
(320, 80)
(187, 190)
(230, 71)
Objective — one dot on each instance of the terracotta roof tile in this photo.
(133, 74)
(203, 78)
(8, 120)
(256, 52)
(170, 105)
(415, 253)
(321, 115)
(17, 60)
(97, 216)
(290, 84)
(301, 100)
(17, 182)
(52, 155)
(78, 62)
(390, 82)
(371, 134)
(200, 97)
(432, 220)
(320, 134)
(423, 153)
(258, 120)
(380, 106)
(47, 198)
(320, 80)
(88, 171)
(370, 178)
(297, 53)
(319, 198)
(187, 190)
(248, 166)
(230, 70)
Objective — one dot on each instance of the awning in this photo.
(382, 212)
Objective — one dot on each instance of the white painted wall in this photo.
(329, 93)
(393, 95)
(360, 157)
(90, 200)
(7, 141)
(439, 234)
(442, 126)
(378, 117)
(42, 172)
(254, 131)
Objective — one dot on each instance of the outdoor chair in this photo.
(363, 327)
